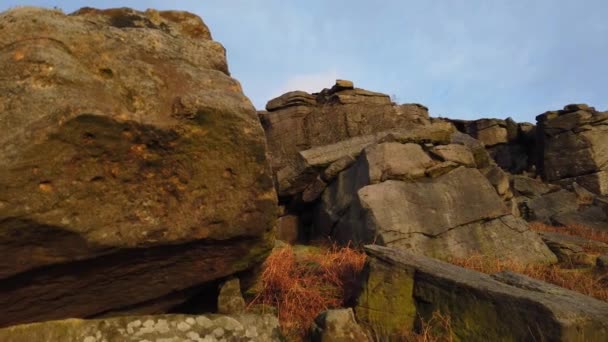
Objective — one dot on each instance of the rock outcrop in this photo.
(298, 121)
(398, 180)
(574, 147)
(133, 170)
(401, 287)
(510, 144)
(150, 328)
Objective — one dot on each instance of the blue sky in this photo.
(461, 58)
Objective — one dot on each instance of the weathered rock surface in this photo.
(133, 167)
(572, 249)
(574, 145)
(455, 153)
(298, 121)
(288, 228)
(307, 165)
(457, 214)
(509, 144)
(503, 306)
(176, 328)
(338, 325)
(230, 299)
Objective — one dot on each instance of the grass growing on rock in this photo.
(302, 285)
(587, 282)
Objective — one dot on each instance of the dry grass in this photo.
(586, 282)
(574, 230)
(301, 287)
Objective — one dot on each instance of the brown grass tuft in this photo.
(301, 287)
(587, 282)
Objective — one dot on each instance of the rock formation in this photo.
(133, 170)
(409, 183)
(574, 147)
(402, 287)
(138, 182)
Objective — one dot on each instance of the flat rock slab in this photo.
(308, 164)
(176, 328)
(500, 307)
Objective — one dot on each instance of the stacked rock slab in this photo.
(510, 144)
(400, 287)
(574, 145)
(298, 121)
(133, 167)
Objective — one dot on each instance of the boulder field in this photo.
(140, 193)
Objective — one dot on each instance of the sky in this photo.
(463, 59)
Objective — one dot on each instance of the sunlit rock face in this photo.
(574, 145)
(133, 168)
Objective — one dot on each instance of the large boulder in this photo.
(229, 328)
(429, 198)
(133, 170)
(400, 287)
(574, 147)
(455, 215)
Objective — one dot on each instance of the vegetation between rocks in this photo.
(301, 285)
(586, 281)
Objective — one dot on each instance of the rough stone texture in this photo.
(455, 153)
(489, 131)
(511, 145)
(482, 158)
(338, 325)
(574, 146)
(457, 214)
(499, 180)
(230, 300)
(385, 306)
(393, 160)
(529, 187)
(176, 328)
(298, 121)
(336, 167)
(501, 307)
(570, 249)
(133, 167)
(288, 228)
(308, 164)
(590, 216)
(545, 207)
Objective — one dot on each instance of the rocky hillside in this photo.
(140, 194)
